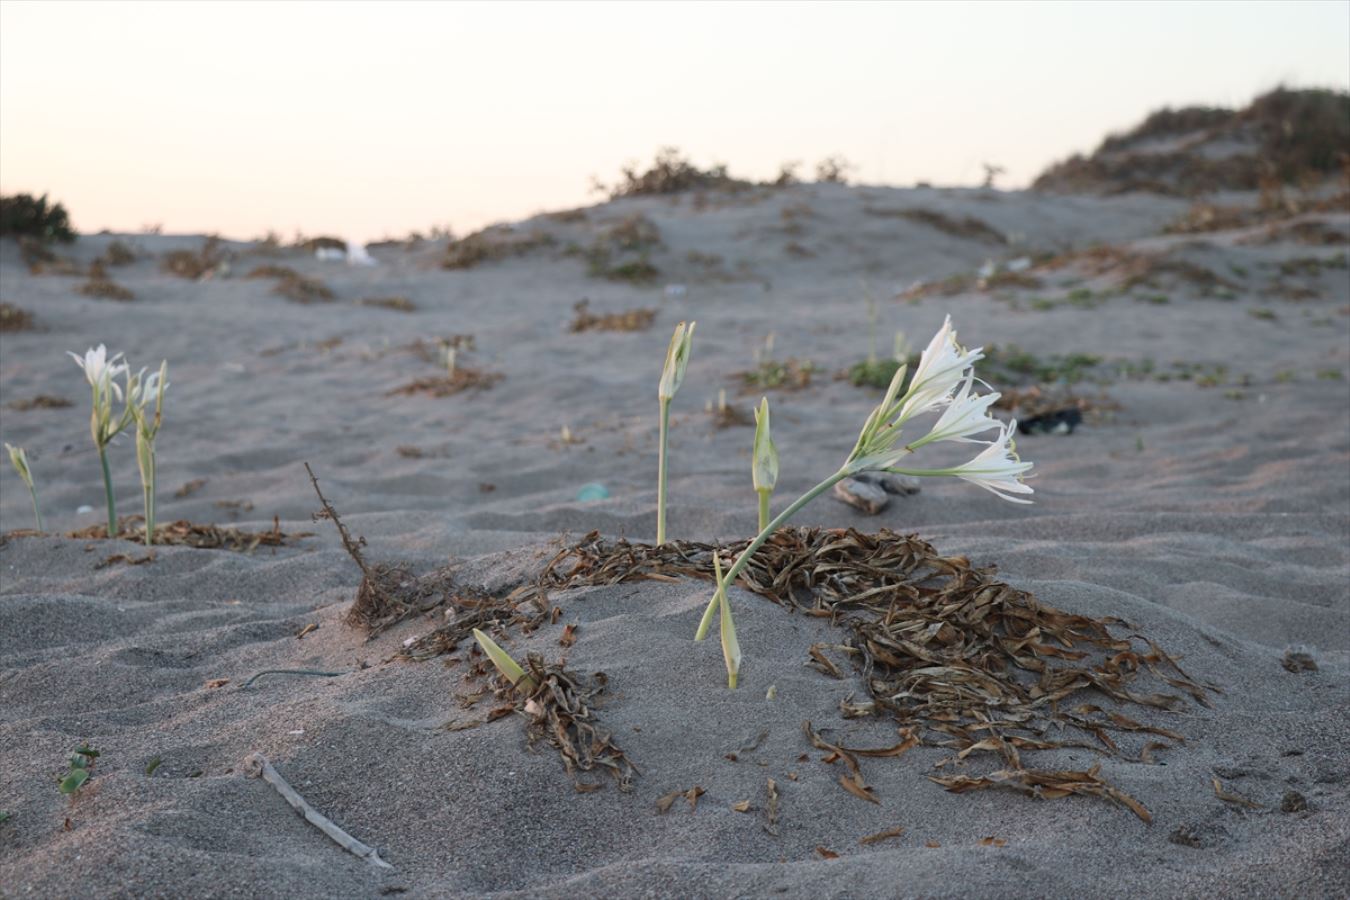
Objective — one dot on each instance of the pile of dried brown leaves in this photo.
(187, 534)
(959, 658)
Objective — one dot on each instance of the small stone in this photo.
(1293, 802)
(1298, 659)
(861, 495)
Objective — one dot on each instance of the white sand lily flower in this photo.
(966, 414)
(100, 371)
(942, 366)
(997, 468)
(944, 379)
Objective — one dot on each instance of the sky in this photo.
(373, 119)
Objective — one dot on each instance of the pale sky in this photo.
(366, 119)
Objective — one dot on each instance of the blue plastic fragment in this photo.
(592, 491)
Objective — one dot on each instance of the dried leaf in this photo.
(992, 841)
(569, 635)
(741, 806)
(826, 853)
(771, 809)
(882, 835)
(1230, 797)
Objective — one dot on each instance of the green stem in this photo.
(661, 474)
(764, 534)
(108, 492)
(148, 489)
(37, 514)
(764, 508)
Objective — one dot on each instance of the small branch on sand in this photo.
(257, 766)
(314, 672)
(329, 513)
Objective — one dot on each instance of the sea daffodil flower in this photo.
(943, 380)
(100, 372)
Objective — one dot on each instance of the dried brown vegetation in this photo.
(12, 318)
(398, 304)
(463, 379)
(628, 320)
(41, 401)
(963, 227)
(195, 264)
(1285, 136)
(492, 244)
(101, 286)
(299, 289)
(187, 534)
(958, 658)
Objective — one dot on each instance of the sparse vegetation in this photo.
(398, 304)
(629, 320)
(26, 216)
(963, 227)
(12, 318)
(299, 289)
(101, 286)
(490, 245)
(197, 264)
(670, 173)
(1287, 136)
(81, 769)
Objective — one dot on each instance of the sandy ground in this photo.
(1215, 518)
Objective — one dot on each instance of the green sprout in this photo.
(81, 767)
(19, 459)
(677, 361)
(147, 428)
(100, 371)
(943, 380)
(764, 472)
(509, 668)
(731, 648)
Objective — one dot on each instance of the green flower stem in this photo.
(765, 533)
(148, 488)
(108, 492)
(37, 514)
(661, 473)
(764, 508)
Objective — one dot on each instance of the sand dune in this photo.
(1206, 500)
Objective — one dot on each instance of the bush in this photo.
(23, 216)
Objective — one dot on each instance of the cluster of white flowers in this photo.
(943, 380)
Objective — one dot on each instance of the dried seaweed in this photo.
(1046, 785)
(560, 714)
(188, 534)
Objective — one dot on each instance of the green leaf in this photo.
(72, 782)
(509, 668)
(152, 765)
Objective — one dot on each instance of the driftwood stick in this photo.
(257, 766)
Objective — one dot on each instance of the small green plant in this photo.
(764, 472)
(943, 380)
(19, 459)
(509, 668)
(23, 215)
(1330, 374)
(100, 372)
(731, 647)
(81, 769)
(147, 429)
(1265, 315)
(672, 376)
